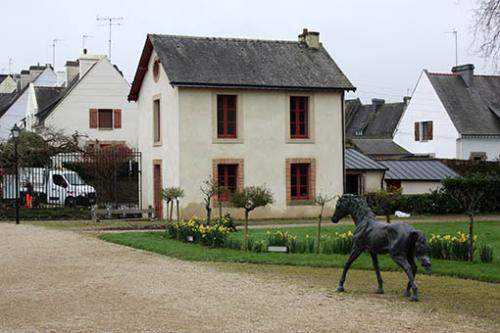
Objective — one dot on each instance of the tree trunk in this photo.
(246, 230)
(220, 210)
(171, 210)
(168, 202)
(178, 212)
(318, 235)
(209, 214)
(388, 218)
(471, 236)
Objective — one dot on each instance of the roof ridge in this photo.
(241, 39)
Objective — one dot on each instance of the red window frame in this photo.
(299, 117)
(227, 116)
(393, 184)
(227, 176)
(300, 181)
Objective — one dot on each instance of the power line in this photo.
(111, 21)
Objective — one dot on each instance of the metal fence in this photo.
(101, 178)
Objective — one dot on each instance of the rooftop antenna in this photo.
(54, 43)
(84, 38)
(10, 65)
(455, 34)
(110, 22)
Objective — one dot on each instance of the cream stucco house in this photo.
(246, 112)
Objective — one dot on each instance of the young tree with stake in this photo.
(321, 200)
(250, 198)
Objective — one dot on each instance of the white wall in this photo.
(425, 105)
(23, 105)
(372, 181)
(8, 85)
(264, 146)
(419, 187)
(489, 146)
(168, 151)
(101, 88)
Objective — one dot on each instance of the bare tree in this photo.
(209, 189)
(487, 30)
(320, 200)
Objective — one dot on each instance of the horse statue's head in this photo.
(343, 207)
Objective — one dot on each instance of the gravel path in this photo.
(62, 281)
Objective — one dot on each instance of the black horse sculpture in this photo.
(400, 241)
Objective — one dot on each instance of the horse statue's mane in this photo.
(360, 207)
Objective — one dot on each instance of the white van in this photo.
(50, 186)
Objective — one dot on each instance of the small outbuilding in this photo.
(416, 176)
(363, 174)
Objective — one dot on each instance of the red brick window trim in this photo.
(228, 173)
(300, 179)
(299, 117)
(227, 116)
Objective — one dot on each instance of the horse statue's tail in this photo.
(421, 250)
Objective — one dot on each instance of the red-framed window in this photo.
(299, 117)
(226, 116)
(227, 176)
(300, 180)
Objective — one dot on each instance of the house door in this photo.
(353, 184)
(157, 190)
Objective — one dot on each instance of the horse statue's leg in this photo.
(355, 252)
(380, 289)
(413, 265)
(405, 265)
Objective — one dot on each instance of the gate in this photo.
(108, 178)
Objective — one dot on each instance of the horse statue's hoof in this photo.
(414, 298)
(340, 289)
(379, 291)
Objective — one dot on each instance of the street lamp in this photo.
(16, 131)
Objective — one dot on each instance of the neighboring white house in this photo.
(93, 102)
(246, 112)
(22, 104)
(416, 176)
(453, 115)
(7, 84)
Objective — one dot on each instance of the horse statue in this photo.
(399, 240)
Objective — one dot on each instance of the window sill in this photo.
(227, 140)
(104, 129)
(307, 202)
(299, 140)
(157, 144)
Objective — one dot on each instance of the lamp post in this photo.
(16, 131)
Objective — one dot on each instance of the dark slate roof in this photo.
(5, 99)
(374, 121)
(54, 97)
(246, 63)
(429, 170)
(475, 110)
(379, 147)
(354, 160)
(46, 96)
(3, 77)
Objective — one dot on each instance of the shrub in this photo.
(279, 238)
(226, 221)
(450, 247)
(384, 202)
(486, 253)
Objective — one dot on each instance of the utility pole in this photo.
(455, 34)
(110, 22)
(54, 43)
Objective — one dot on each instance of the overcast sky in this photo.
(381, 45)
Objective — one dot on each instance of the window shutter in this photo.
(93, 118)
(417, 131)
(117, 118)
(429, 130)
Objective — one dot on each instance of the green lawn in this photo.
(489, 233)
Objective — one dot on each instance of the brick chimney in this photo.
(466, 72)
(310, 39)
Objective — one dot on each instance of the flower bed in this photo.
(450, 247)
(194, 230)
